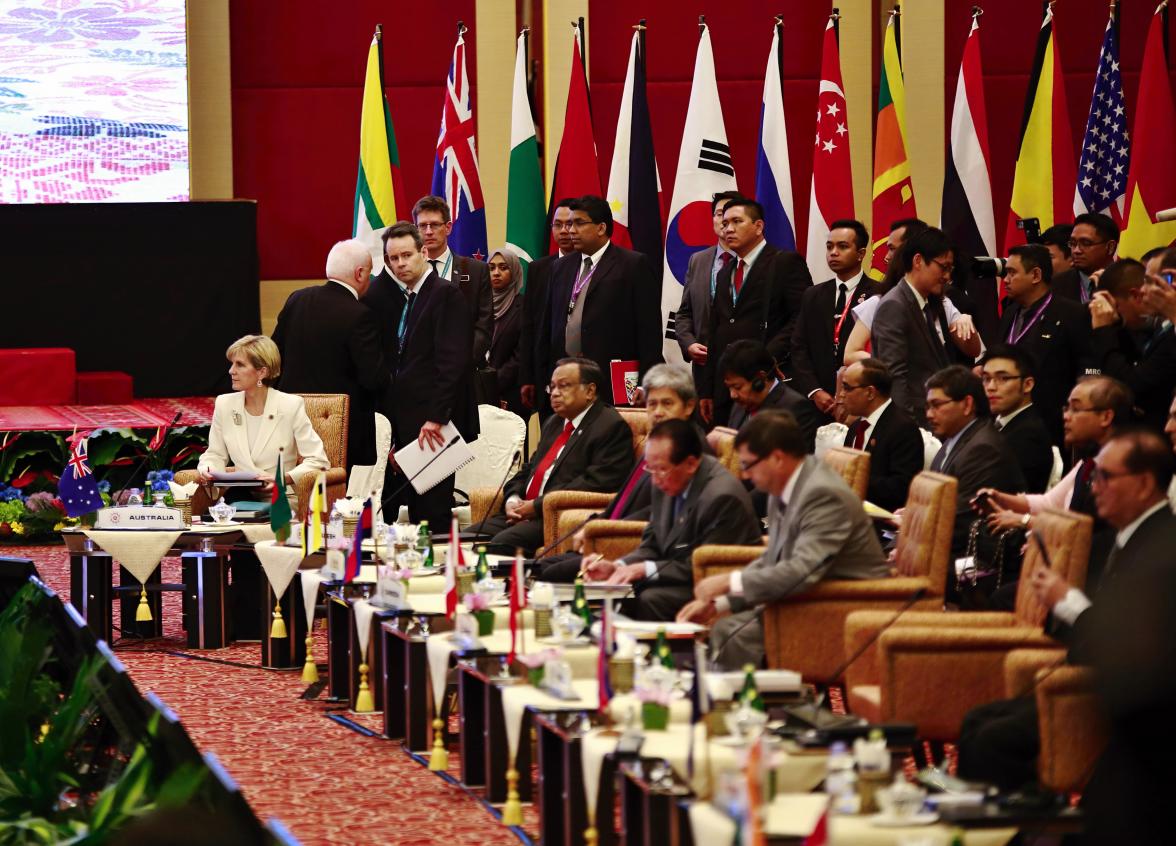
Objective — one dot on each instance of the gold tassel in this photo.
(512, 811)
(143, 613)
(310, 669)
(590, 836)
(278, 629)
(364, 704)
(439, 759)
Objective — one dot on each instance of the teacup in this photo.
(902, 800)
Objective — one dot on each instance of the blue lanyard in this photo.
(409, 298)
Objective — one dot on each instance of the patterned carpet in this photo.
(326, 783)
(141, 414)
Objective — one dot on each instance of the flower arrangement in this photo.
(478, 604)
(536, 661)
(32, 517)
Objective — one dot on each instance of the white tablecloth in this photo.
(139, 551)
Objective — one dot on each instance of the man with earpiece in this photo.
(750, 377)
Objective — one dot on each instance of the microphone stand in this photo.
(426, 466)
(142, 462)
(510, 471)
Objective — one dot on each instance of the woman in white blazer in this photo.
(256, 423)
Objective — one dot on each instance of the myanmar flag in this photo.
(526, 216)
(1151, 184)
(379, 192)
(894, 195)
(1043, 183)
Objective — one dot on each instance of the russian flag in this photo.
(773, 175)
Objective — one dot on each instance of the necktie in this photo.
(573, 343)
(404, 318)
(929, 314)
(859, 433)
(724, 260)
(738, 282)
(1081, 485)
(436, 269)
(1019, 323)
(840, 307)
(679, 504)
(627, 492)
(536, 483)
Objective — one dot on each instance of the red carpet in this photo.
(325, 782)
(141, 414)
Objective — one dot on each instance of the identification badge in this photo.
(965, 567)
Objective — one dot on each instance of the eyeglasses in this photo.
(562, 387)
(559, 225)
(580, 223)
(948, 269)
(429, 227)
(935, 405)
(1101, 476)
(1073, 409)
(846, 387)
(1084, 243)
(746, 468)
(999, 379)
(660, 472)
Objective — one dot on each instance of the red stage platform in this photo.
(140, 414)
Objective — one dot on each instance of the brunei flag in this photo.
(1151, 184)
(379, 192)
(894, 195)
(1043, 183)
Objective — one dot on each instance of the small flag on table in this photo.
(77, 488)
(699, 702)
(363, 531)
(312, 534)
(603, 676)
(453, 560)
(518, 601)
(280, 506)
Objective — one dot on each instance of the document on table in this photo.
(413, 460)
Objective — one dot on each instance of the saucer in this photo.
(888, 821)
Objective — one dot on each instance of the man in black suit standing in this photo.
(584, 446)
(882, 429)
(531, 376)
(1093, 242)
(1054, 330)
(330, 344)
(692, 320)
(603, 302)
(757, 297)
(826, 318)
(752, 382)
(1009, 385)
(907, 334)
(428, 333)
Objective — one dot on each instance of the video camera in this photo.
(991, 267)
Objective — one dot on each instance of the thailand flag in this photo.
(773, 175)
(455, 168)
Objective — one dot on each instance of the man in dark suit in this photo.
(695, 502)
(907, 334)
(1054, 330)
(1093, 242)
(826, 317)
(692, 320)
(882, 429)
(531, 375)
(1124, 634)
(752, 382)
(757, 297)
(1129, 343)
(584, 446)
(973, 450)
(330, 344)
(1056, 239)
(1009, 385)
(428, 331)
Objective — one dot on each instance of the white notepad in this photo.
(412, 458)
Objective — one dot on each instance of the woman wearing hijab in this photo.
(506, 278)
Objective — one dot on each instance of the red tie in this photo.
(739, 276)
(544, 465)
(623, 499)
(859, 433)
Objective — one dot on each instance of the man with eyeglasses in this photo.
(584, 446)
(817, 530)
(534, 299)
(907, 334)
(882, 429)
(695, 502)
(1009, 384)
(1131, 343)
(1093, 243)
(603, 303)
(1053, 329)
(692, 320)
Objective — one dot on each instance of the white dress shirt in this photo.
(350, 290)
(576, 421)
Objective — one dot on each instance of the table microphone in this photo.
(411, 478)
(510, 471)
(143, 461)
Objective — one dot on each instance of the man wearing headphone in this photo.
(749, 373)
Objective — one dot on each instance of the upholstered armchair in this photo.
(853, 465)
(328, 417)
(931, 668)
(722, 441)
(612, 538)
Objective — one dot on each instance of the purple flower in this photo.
(50, 27)
(39, 501)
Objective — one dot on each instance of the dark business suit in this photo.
(1147, 366)
(1059, 344)
(692, 320)
(534, 302)
(716, 509)
(506, 354)
(330, 344)
(597, 457)
(895, 445)
(815, 360)
(472, 277)
(903, 341)
(783, 398)
(1069, 284)
(430, 382)
(1030, 443)
(621, 319)
(765, 311)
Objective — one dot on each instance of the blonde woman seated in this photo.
(254, 424)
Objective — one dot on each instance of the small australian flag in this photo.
(77, 488)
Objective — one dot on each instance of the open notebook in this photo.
(414, 460)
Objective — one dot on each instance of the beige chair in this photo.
(612, 538)
(932, 668)
(853, 465)
(722, 441)
(328, 417)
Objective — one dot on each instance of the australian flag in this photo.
(455, 167)
(77, 488)
(1106, 148)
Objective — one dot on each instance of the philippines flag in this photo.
(455, 168)
(634, 187)
(773, 175)
(77, 488)
(704, 169)
(363, 531)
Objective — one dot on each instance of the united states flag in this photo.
(1106, 147)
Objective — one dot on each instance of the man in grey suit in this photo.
(817, 529)
(695, 502)
(907, 333)
(692, 320)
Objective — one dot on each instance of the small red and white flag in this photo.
(518, 601)
(453, 559)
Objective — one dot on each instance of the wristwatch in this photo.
(1025, 520)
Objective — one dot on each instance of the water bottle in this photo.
(841, 780)
(335, 530)
(135, 497)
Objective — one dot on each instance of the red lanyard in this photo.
(841, 321)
